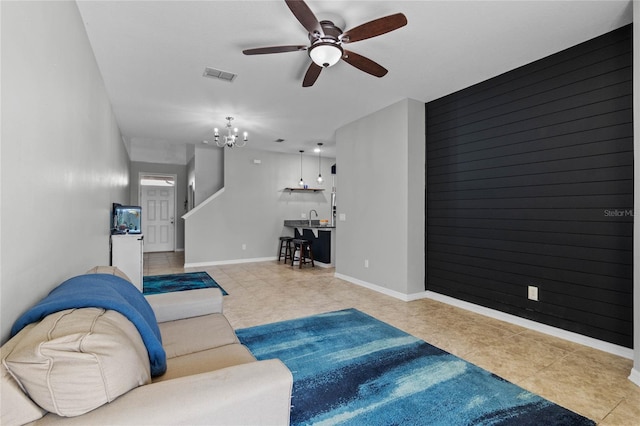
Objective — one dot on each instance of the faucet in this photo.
(312, 210)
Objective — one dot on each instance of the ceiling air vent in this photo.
(219, 74)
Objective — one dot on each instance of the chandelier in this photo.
(231, 139)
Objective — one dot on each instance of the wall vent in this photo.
(219, 74)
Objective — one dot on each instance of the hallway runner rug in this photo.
(155, 284)
(352, 369)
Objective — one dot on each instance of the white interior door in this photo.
(158, 218)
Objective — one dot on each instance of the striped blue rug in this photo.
(155, 284)
(352, 369)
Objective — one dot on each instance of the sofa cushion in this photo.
(111, 270)
(196, 334)
(17, 407)
(79, 359)
(203, 361)
(185, 304)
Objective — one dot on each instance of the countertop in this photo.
(304, 223)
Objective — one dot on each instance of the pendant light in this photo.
(301, 183)
(320, 180)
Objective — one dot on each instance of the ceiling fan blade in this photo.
(306, 17)
(313, 72)
(273, 49)
(375, 28)
(364, 64)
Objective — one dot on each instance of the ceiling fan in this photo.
(327, 39)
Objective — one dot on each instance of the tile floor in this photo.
(587, 381)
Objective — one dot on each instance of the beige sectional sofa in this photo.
(90, 366)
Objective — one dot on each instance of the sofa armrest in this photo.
(257, 393)
(185, 304)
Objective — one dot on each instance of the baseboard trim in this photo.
(228, 262)
(375, 287)
(535, 326)
(502, 316)
(635, 376)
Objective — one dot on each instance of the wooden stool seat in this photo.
(285, 244)
(305, 253)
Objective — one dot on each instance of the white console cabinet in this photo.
(126, 255)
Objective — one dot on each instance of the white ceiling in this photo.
(152, 55)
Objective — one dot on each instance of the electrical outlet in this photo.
(366, 263)
(303, 215)
(533, 293)
(343, 217)
(244, 247)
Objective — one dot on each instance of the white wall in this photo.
(253, 206)
(191, 180)
(157, 151)
(63, 161)
(381, 165)
(635, 373)
(209, 171)
(416, 170)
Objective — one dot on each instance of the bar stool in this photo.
(305, 252)
(285, 244)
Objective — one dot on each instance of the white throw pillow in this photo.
(76, 360)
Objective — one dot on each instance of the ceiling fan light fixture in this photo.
(327, 38)
(325, 53)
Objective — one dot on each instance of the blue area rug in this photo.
(155, 284)
(352, 369)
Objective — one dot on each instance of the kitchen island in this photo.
(322, 238)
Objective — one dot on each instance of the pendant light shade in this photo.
(301, 183)
(320, 180)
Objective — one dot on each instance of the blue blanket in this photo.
(107, 292)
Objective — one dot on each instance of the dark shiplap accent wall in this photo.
(530, 182)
